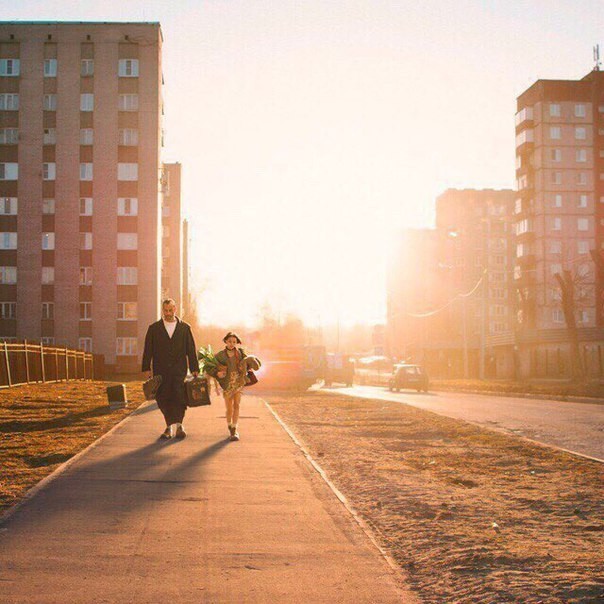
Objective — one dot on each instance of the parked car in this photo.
(408, 376)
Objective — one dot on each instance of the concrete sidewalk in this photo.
(137, 520)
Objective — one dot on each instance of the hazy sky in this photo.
(311, 132)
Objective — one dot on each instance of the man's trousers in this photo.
(171, 398)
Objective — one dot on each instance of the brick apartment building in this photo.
(80, 125)
(430, 318)
(559, 217)
(174, 270)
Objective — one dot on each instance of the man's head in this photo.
(168, 310)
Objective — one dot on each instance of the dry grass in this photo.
(471, 515)
(43, 425)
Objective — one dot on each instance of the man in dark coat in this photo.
(170, 346)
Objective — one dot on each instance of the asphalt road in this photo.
(577, 427)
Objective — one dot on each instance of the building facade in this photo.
(559, 222)
(449, 305)
(80, 124)
(173, 267)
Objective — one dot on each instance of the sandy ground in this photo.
(43, 425)
(471, 515)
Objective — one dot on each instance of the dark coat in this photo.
(170, 354)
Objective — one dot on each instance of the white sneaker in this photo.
(172, 429)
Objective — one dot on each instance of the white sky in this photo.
(311, 132)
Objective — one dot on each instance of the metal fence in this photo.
(26, 363)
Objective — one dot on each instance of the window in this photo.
(48, 310)
(555, 247)
(557, 201)
(581, 155)
(8, 240)
(85, 241)
(579, 110)
(166, 231)
(582, 224)
(86, 136)
(8, 310)
(128, 137)
(580, 133)
(8, 206)
(9, 102)
(86, 102)
(554, 133)
(48, 241)
(127, 172)
(556, 154)
(9, 171)
(85, 311)
(583, 247)
(85, 206)
(126, 311)
(127, 241)
(126, 347)
(557, 315)
(127, 206)
(9, 136)
(556, 224)
(50, 68)
(48, 206)
(8, 275)
(498, 294)
(9, 67)
(50, 102)
(555, 268)
(165, 211)
(128, 68)
(581, 178)
(87, 67)
(48, 341)
(127, 275)
(48, 275)
(50, 136)
(583, 316)
(582, 201)
(49, 171)
(554, 110)
(128, 102)
(85, 344)
(85, 275)
(85, 171)
(556, 178)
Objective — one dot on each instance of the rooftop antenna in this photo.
(597, 61)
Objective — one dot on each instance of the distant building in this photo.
(173, 261)
(477, 252)
(449, 305)
(559, 216)
(80, 124)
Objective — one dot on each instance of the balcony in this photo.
(525, 140)
(524, 116)
(526, 261)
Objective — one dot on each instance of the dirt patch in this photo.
(471, 515)
(44, 425)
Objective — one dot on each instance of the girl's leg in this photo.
(236, 404)
(228, 401)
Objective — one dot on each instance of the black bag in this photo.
(151, 386)
(198, 392)
(250, 378)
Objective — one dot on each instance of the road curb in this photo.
(344, 501)
(479, 425)
(64, 467)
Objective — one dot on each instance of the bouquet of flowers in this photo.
(207, 361)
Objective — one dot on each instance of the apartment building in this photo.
(477, 252)
(559, 220)
(80, 123)
(173, 268)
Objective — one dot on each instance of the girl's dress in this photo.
(235, 383)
